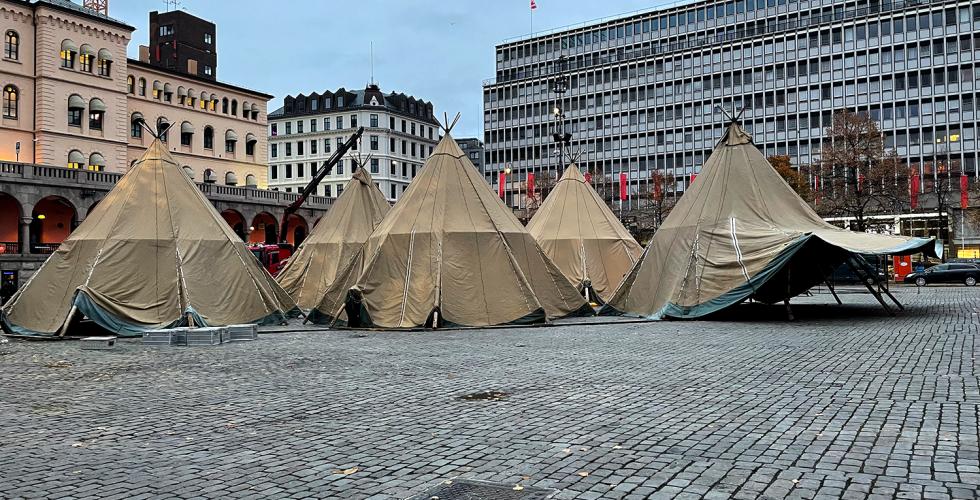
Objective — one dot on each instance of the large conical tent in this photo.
(740, 231)
(451, 246)
(151, 254)
(581, 235)
(324, 262)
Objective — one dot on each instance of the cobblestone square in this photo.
(844, 402)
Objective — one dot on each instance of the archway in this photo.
(9, 224)
(237, 222)
(264, 229)
(296, 229)
(52, 221)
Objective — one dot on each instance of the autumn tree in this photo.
(544, 183)
(856, 175)
(660, 198)
(796, 179)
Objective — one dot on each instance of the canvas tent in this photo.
(451, 246)
(151, 254)
(581, 235)
(740, 231)
(328, 260)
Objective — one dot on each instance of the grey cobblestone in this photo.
(845, 402)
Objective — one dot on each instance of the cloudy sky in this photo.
(437, 50)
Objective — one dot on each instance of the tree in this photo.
(661, 198)
(856, 176)
(544, 183)
(795, 179)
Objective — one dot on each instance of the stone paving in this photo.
(845, 402)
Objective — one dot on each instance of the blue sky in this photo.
(437, 50)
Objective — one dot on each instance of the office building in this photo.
(473, 148)
(643, 90)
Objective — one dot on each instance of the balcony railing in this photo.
(9, 247)
(87, 179)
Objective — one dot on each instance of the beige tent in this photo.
(151, 254)
(581, 235)
(740, 231)
(451, 246)
(325, 260)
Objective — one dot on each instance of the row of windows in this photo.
(211, 177)
(78, 160)
(76, 112)
(406, 169)
(88, 58)
(187, 131)
(408, 148)
(189, 97)
(406, 126)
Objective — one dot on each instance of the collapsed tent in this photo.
(327, 261)
(741, 231)
(153, 253)
(451, 247)
(581, 235)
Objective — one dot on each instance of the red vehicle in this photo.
(273, 257)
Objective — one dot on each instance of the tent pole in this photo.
(71, 314)
(883, 288)
(789, 310)
(826, 281)
(869, 287)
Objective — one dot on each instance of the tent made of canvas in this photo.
(582, 236)
(327, 262)
(153, 253)
(450, 246)
(740, 231)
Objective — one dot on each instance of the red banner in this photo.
(501, 178)
(622, 186)
(588, 177)
(914, 191)
(530, 184)
(964, 191)
(693, 176)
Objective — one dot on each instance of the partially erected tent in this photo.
(153, 253)
(740, 231)
(581, 235)
(327, 263)
(451, 247)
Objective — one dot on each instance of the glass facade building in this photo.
(644, 89)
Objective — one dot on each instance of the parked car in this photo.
(968, 274)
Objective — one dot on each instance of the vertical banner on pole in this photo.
(501, 177)
(588, 177)
(914, 190)
(964, 191)
(530, 185)
(622, 186)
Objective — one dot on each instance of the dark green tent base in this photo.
(800, 266)
(114, 325)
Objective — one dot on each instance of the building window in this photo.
(374, 143)
(130, 84)
(11, 45)
(299, 148)
(95, 120)
(353, 121)
(208, 38)
(391, 145)
(393, 191)
(67, 59)
(340, 171)
(299, 126)
(374, 120)
(326, 124)
(313, 104)
(135, 128)
(85, 62)
(76, 105)
(10, 102)
(163, 129)
(340, 142)
(299, 170)
(273, 171)
(326, 190)
(167, 30)
(326, 145)
(391, 122)
(340, 122)
(374, 165)
(224, 105)
(289, 149)
(274, 151)
(105, 65)
(234, 106)
(76, 159)
(250, 147)
(312, 146)
(313, 124)
(186, 134)
(289, 128)
(230, 140)
(208, 138)
(142, 86)
(275, 129)
(289, 171)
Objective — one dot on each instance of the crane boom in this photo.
(322, 172)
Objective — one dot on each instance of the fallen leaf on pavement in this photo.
(583, 474)
(518, 487)
(346, 472)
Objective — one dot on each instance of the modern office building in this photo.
(643, 90)
(400, 132)
(473, 148)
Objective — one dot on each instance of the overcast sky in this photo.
(437, 50)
